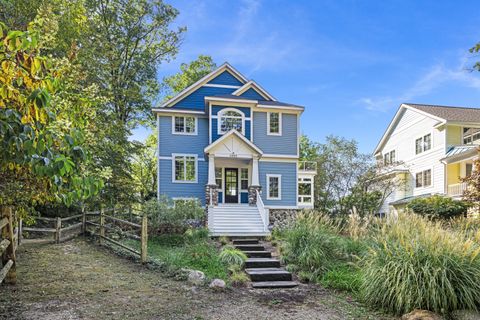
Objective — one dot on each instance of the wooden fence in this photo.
(61, 229)
(8, 245)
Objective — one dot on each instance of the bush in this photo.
(343, 277)
(196, 235)
(239, 278)
(416, 263)
(438, 207)
(231, 256)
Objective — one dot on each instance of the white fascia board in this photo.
(264, 107)
(220, 99)
(256, 87)
(163, 110)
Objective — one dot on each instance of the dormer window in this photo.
(229, 119)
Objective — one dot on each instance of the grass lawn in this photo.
(177, 252)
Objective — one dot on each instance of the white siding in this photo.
(411, 126)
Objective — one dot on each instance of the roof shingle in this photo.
(455, 114)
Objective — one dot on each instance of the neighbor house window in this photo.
(230, 119)
(423, 144)
(274, 124)
(244, 178)
(274, 186)
(219, 177)
(184, 125)
(185, 168)
(471, 135)
(423, 179)
(389, 158)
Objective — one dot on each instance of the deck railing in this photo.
(263, 211)
(456, 189)
(307, 166)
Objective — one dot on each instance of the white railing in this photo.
(456, 189)
(263, 211)
(307, 166)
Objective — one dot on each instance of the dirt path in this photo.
(80, 280)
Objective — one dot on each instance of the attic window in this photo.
(471, 135)
(230, 119)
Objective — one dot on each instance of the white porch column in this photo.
(255, 175)
(211, 170)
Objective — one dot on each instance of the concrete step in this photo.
(268, 274)
(238, 229)
(274, 284)
(258, 254)
(262, 263)
(250, 247)
(245, 241)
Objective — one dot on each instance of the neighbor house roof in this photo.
(443, 114)
(457, 153)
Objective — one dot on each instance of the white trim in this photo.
(266, 159)
(247, 101)
(280, 116)
(240, 178)
(282, 207)
(422, 171)
(210, 123)
(213, 85)
(158, 155)
(255, 86)
(174, 155)
(175, 111)
(263, 106)
(195, 133)
(251, 125)
(170, 158)
(238, 134)
(219, 118)
(279, 176)
(423, 151)
(224, 67)
(276, 155)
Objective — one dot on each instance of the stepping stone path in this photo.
(264, 271)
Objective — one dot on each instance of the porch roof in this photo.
(233, 143)
(458, 153)
(408, 199)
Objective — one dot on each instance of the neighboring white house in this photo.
(428, 149)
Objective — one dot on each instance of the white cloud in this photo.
(437, 76)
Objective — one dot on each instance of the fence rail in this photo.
(59, 229)
(8, 246)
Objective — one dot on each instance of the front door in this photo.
(231, 185)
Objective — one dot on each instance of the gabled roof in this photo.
(220, 140)
(457, 153)
(224, 67)
(259, 103)
(442, 114)
(255, 86)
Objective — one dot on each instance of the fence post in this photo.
(58, 227)
(9, 254)
(102, 228)
(84, 221)
(144, 238)
(20, 232)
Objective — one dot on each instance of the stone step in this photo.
(274, 284)
(245, 241)
(268, 274)
(250, 247)
(258, 254)
(262, 263)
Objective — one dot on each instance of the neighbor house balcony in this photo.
(456, 189)
(307, 167)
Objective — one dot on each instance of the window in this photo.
(184, 125)
(471, 135)
(468, 169)
(244, 178)
(305, 190)
(274, 186)
(274, 124)
(389, 158)
(185, 168)
(423, 144)
(230, 119)
(219, 177)
(423, 179)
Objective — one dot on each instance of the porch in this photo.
(458, 165)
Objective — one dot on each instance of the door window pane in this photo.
(244, 178)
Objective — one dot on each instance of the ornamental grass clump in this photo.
(231, 256)
(415, 263)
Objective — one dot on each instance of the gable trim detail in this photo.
(240, 136)
(255, 86)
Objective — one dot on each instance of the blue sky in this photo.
(350, 63)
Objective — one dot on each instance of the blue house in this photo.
(229, 143)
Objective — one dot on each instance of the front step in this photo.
(258, 254)
(274, 284)
(262, 263)
(244, 241)
(268, 274)
(250, 247)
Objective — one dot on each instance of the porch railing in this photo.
(456, 189)
(263, 211)
(307, 166)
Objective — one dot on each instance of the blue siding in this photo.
(245, 110)
(183, 190)
(252, 94)
(173, 143)
(288, 170)
(243, 197)
(196, 101)
(226, 78)
(286, 144)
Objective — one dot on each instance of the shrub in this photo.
(343, 277)
(438, 207)
(231, 256)
(195, 235)
(223, 240)
(239, 278)
(416, 263)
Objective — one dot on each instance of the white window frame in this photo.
(174, 155)
(423, 178)
(185, 126)
(301, 197)
(471, 135)
(389, 157)
(279, 133)
(219, 120)
(240, 178)
(279, 176)
(423, 143)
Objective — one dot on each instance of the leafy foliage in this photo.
(232, 256)
(165, 211)
(438, 207)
